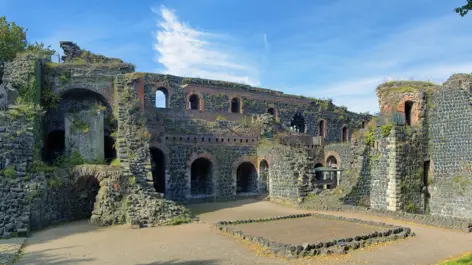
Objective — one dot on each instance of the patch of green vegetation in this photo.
(385, 130)
(132, 180)
(462, 181)
(179, 220)
(466, 259)
(64, 78)
(221, 118)
(79, 125)
(115, 162)
(55, 182)
(411, 207)
(9, 172)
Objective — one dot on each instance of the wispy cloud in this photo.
(186, 51)
(432, 51)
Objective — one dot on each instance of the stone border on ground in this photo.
(10, 249)
(335, 246)
(463, 225)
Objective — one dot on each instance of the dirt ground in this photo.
(306, 230)
(199, 243)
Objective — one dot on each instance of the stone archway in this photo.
(158, 169)
(201, 177)
(246, 178)
(264, 176)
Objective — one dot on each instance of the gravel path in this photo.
(9, 249)
(199, 243)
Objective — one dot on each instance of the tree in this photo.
(463, 10)
(12, 39)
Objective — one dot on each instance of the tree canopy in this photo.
(12, 39)
(463, 10)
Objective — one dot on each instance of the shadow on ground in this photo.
(45, 257)
(176, 262)
(208, 207)
(63, 230)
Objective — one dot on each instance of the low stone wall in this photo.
(335, 246)
(431, 220)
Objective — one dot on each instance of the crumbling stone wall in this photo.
(450, 173)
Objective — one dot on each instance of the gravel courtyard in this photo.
(199, 243)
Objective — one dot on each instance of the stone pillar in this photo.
(394, 172)
(84, 133)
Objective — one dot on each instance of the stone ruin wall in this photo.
(450, 129)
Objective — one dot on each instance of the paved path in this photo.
(9, 249)
(199, 243)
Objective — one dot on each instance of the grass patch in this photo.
(464, 260)
(179, 220)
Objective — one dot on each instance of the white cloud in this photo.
(185, 51)
(430, 51)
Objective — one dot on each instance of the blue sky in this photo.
(340, 49)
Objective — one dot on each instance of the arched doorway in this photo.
(110, 151)
(271, 111)
(201, 177)
(332, 162)
(235, 105)
(246, 178)
(322, 128)
(298, 123)
(87, 190)
(264, 176)
(54, 145)
(194, 102)
(158, 169)
(162, 98)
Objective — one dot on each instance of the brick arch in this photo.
(200, 100)
(234, 168)
(99, 172)
(241, 104)
(259, 160)
(273, 106)
(105, 94)
(168, 91)
(214, 164)
(415, 111)
(325, 127)
(342, 133)
(165, 150)
(334, 154)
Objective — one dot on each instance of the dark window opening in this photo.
(54, 146)
(426, 181)
(201, 177)
(246, 178)
(298, 123)
(408, 109)
(194, 102)
(363, 124)
(271, 111)
(264, 176)
(344, 134)
(110, 151)
(158, 169)
(235, 105)
(322, 128)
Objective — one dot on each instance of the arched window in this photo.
(271, 111)
(298, 123)
(363, 124)
(162, 98)
(408, 108)
(194, 102)
(344, 134)
(235, 105)
(322, 128)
